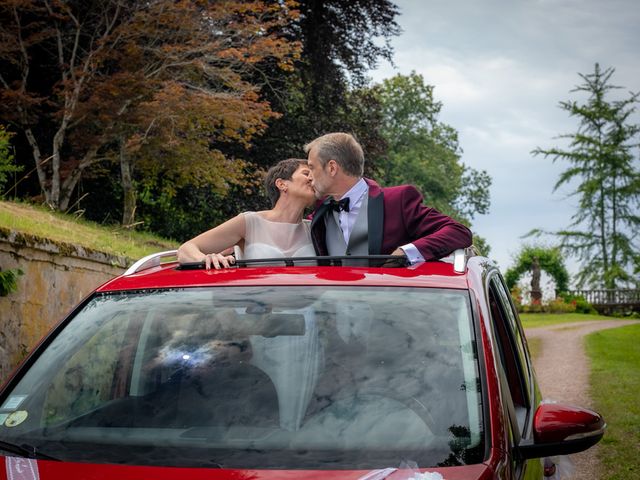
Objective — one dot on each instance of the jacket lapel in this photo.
(375, 217)
(318, 229)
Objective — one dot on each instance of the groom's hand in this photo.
(397, 262)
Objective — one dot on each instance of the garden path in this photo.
(562, 368)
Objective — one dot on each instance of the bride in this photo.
(279, 232)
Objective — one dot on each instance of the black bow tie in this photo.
(338, 205)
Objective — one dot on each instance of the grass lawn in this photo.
(58, 227)
(615, 389)
(532, 320)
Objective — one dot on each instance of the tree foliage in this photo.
(7, 164)
(341, 41)
(603, 163)
(151, 84)
(425, 152)
(123, 106)
(549, 260)
(417, 148)
(9, 281)
(324, 92)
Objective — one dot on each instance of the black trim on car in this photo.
(333, 261)
(482, 372)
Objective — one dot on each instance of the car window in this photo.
(86, 380)
(259, 377)
(512, 349)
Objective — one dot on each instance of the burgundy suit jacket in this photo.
(397, 216)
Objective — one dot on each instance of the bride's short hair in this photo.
(284, 169)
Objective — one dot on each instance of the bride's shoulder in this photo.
(256, 218)
(262, 214)
(251, 214)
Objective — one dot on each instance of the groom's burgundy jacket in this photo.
(397, 216)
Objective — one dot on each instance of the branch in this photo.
(59, 42)
(23, 50)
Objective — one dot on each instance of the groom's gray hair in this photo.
(341, 147)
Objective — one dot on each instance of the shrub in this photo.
(562, 304)
(581, 304)
(7, 165)
(558, 305)
(8, 281)
(533, 308)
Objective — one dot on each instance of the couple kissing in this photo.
(353, 215)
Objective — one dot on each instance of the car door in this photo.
(520, 396)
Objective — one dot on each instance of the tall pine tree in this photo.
(602, 157)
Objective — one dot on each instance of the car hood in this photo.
(28, 469)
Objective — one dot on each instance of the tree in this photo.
(425, 152)
(143, 80)
(341, 42)
(603, 234)
(325, 91)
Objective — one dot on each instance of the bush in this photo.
(533, 308)
(7, 165)
(581, 304)
(564, 303)
(9, 281)
(558, 305)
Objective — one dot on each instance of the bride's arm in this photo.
(215, 240)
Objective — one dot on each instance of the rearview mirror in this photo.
(561, 430)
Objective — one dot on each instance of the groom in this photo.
(358, 217)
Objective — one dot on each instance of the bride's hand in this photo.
(218, 261)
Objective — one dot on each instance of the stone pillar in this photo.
(536, 292)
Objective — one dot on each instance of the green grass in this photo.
(58, 227)
(532, 320)
(615, 389)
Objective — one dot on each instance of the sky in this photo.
(500, 69)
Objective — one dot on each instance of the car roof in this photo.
(445, 273)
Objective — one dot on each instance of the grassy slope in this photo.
(58, 227)
(615, 388)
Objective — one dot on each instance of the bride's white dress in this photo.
(291, 361)
(267, 239)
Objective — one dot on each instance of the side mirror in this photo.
(561, 430)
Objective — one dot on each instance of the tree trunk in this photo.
(126, 172)
(610, 280)
(37, 157)
(536, 293)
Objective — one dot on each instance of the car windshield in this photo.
(258, 377)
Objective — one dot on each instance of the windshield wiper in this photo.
(25, 450)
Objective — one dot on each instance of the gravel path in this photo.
(562, 368)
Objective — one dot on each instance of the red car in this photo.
(288, 371)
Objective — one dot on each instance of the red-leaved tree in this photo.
(154, 84)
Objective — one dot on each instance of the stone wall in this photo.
(57, 276)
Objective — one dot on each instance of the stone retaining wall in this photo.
(56, 277)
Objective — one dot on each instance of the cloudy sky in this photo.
(500, 68)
